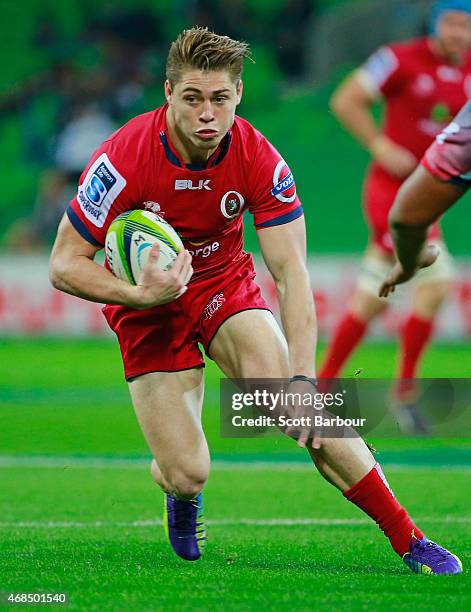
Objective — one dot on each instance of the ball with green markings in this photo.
(130, 238)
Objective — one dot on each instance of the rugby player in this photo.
(443, 176)
(200, 166)
(423, 83)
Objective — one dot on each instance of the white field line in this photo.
(66, 462)
(283, 522)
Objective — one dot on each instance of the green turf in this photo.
(71, 452)
(117, 566)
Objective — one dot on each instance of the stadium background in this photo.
(328, 165)
(50, 45)
(77, 510)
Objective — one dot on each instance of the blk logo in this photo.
(181, 184)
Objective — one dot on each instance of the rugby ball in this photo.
(130, 238)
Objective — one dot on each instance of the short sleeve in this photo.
(382, 73)
(449, 156)
(107, 187)
(273, 199)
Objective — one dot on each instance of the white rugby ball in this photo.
(130, 238)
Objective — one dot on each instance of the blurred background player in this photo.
(443, 176)
(423, 82)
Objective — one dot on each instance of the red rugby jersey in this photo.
(449, 157)
(422, 92)
(138, 167)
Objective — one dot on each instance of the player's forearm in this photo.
(408, 241)
(298, 317)
(420, 202)
(82, 277)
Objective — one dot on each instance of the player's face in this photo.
(454, 34)
(202, 106)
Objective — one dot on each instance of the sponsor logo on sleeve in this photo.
(284, 188)
(99, 190)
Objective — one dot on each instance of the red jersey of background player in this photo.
(422, 90)
(449, 157)
(138, 167)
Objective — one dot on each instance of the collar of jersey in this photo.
(215, 159)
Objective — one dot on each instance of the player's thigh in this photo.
(376, 264)
(168, 407)
(250, 344)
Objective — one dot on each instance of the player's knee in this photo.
(271, 362)
(268, 368)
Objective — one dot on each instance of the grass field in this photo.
(79, 513)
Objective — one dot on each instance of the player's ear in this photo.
(168, 91)
(239, 88)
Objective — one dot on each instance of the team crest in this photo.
(232, 204)
(284, 187)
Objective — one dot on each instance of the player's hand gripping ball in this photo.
(130, 238)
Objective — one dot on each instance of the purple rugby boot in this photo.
(427, 557)
(184, 526)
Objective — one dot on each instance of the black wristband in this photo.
(313, 381)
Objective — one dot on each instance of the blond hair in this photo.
(201, 49)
